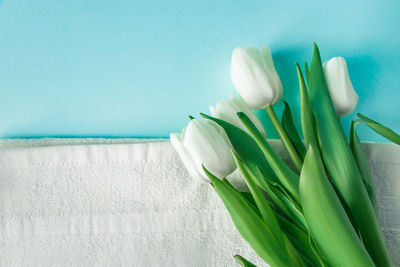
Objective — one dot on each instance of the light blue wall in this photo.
(137, 68)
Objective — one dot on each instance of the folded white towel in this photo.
(130, 202)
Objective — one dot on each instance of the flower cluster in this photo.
(321, 208)
(256, 80)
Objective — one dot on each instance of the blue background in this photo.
(138, 68)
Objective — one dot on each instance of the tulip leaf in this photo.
(289, 208)
(341, 165)
(245, 146)
(307, 116)
(243, 262)
(290, 128)
(296, 259)
(307, 71)
(316, 251)
(250, 226)
(267, 212)
(249, 197)
(380, 129)
(261, 202)
(300, 240)
(286, 205)
(329, 225)
(288, 179)
(362, 163)
(281, 197)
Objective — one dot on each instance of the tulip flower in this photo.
(257, 82)
(343, 96)
(226, 110)
(204, 142)
(177, 142)
(254, 76)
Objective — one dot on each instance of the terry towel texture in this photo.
(129, 202)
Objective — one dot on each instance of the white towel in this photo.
(129, 202)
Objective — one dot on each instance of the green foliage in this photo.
(288, 178)
(329, 225)
(290, 128)
(243, 262)
(250, 225)
(341, 165)
(327, 215)
(380, 129)
(363, 164)
(308, 123)
(248, 150)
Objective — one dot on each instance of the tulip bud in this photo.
(343, 96)
(204, 142)
(254, 76)
(227, 109)
(177, 142)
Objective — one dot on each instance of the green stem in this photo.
(285, 138)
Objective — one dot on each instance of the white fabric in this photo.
(129, 202)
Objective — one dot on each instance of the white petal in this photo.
(254, 76)
(177, 143)
(213, 111)
(235, 104)
(274, 77)
(227, 112)
(220, 130)
(242, 106)
(266, 56)
(341, 90)
(209, 147)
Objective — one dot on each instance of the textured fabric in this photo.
(129, 202)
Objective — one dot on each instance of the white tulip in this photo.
(226, 110)
(342, 93)
(177, 142)
(204, 142)
(254, 76)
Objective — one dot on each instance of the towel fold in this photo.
(130, 202)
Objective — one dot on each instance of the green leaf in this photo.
(291, 208)
(285, 204)
(329, 225)
(262, 204)
(249, 197)
(243, 262)
(290, 128)
(287, 178)
(248, 150)
(380, 129)
(250, 226)
(299, 238)
(307, 71)
(307, 116)
(267, 212)
(316, 251)
(363, 164)
(342, 166)
(294, 255)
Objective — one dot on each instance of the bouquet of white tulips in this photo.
(321, 209)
